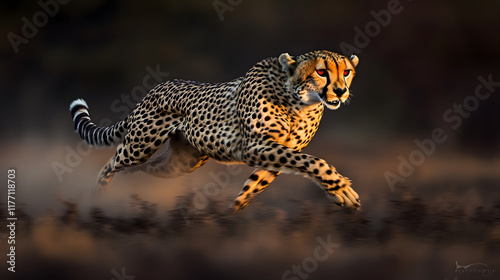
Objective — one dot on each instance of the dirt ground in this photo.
(445, 214)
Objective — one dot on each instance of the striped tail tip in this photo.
(78, 105)
(91, 133)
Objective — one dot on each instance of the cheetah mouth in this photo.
(332, 105)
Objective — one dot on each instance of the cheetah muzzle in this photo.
(263, 119)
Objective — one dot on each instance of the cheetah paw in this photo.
(345, 197)
(238, 205)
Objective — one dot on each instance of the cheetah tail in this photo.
(91, 133)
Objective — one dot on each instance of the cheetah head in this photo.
(320, 76)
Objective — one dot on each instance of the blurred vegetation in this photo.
(214, 243)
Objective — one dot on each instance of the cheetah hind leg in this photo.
(108, 171)
(177, 157)
(255, 184)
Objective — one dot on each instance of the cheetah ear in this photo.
(287, 63)
(354, 59)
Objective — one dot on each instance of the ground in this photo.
(447, 212)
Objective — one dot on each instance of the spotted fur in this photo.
(263, 119)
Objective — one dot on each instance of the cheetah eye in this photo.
(321, 72)
(347, 73)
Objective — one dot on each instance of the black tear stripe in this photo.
(325, 89)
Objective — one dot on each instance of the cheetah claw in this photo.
(346, 197)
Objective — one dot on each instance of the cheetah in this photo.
(263, 119)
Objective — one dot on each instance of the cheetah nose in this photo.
(340, 91)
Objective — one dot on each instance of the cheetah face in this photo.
(320, 77)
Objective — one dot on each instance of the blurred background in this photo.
(418, 72)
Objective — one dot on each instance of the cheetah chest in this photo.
(302, 130)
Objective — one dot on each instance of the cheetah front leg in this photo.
(279, 158)
(255, 184)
